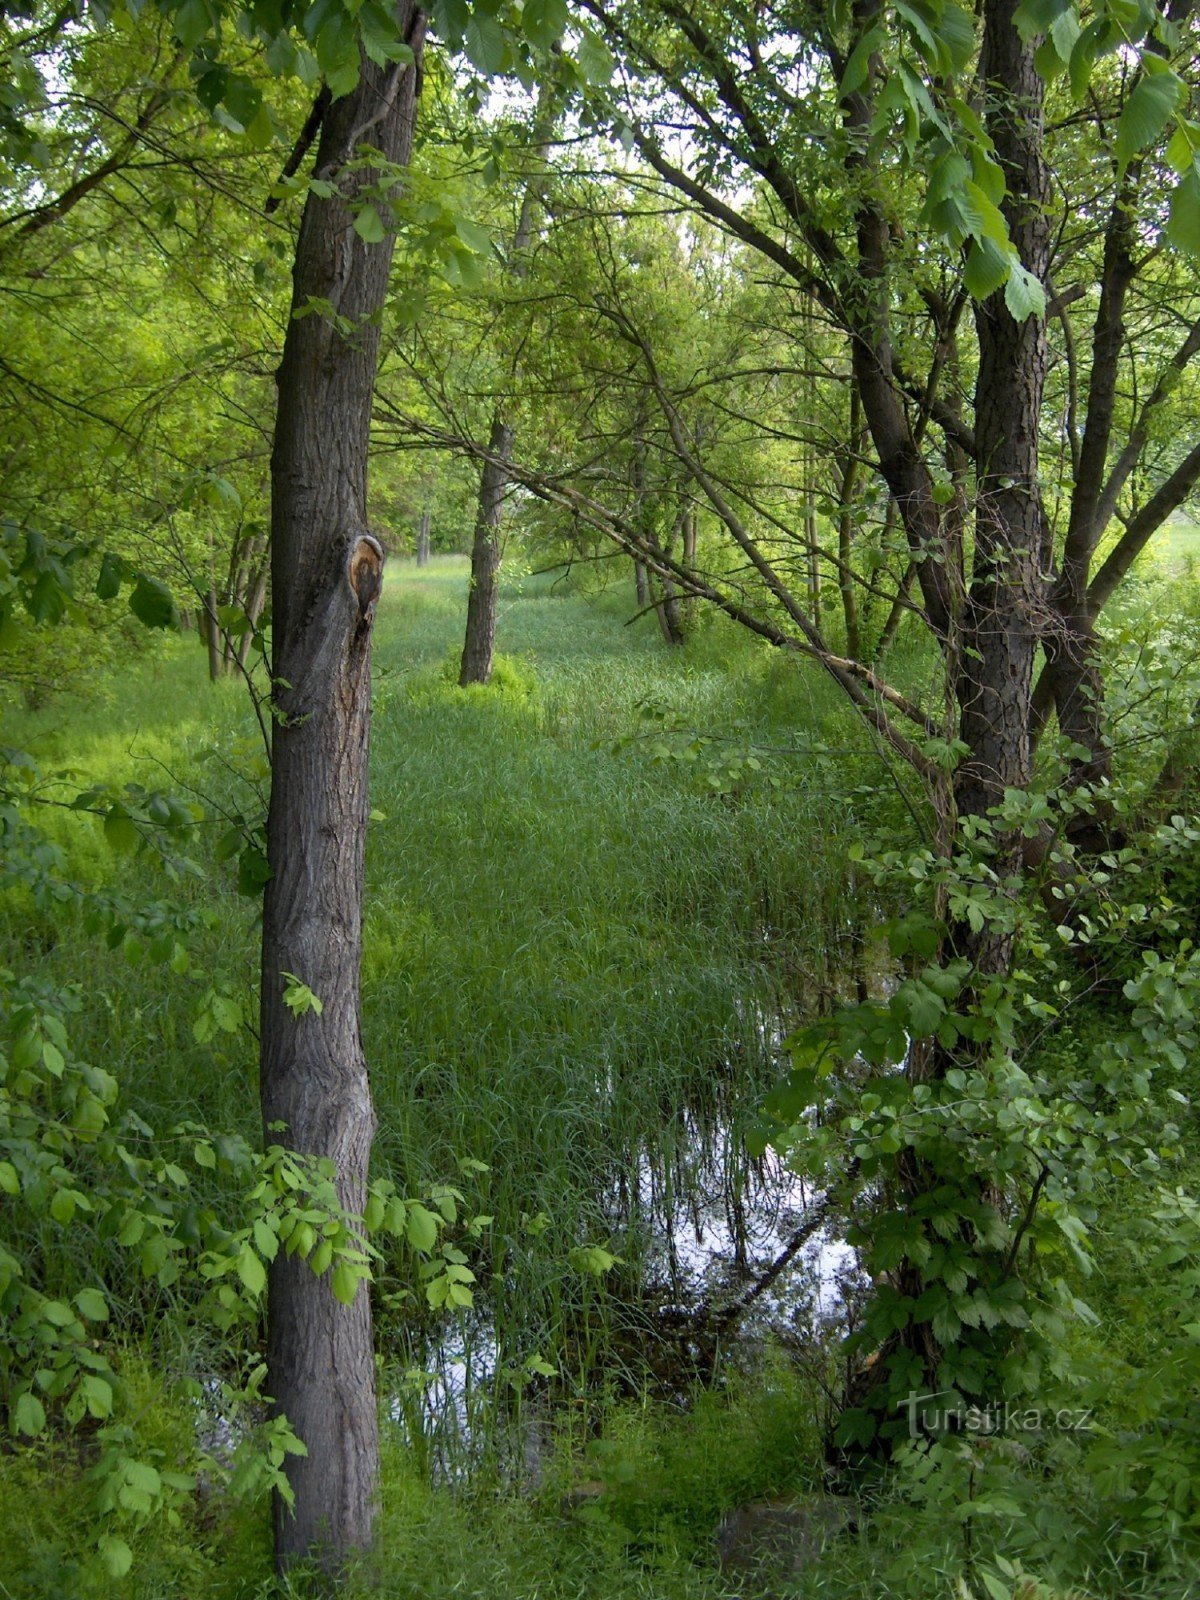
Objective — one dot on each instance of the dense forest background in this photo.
(598, 840)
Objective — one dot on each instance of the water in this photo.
(708, 1226)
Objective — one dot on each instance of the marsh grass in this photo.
(575, 955)
(578, 957)
(568, 945)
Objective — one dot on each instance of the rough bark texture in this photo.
(480, 640)
(326, 576)
(1004, 608)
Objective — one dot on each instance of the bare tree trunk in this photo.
(669, 608)
(689, 555)
(212, 634)
(255, 600)
(849, 486)
(641, 580)
(669, 613)
(423, 538)
(480, 640)
(326, 574)
(810, 539)
(243, 575)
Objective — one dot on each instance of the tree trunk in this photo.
(668, 609)
(669, 613)
(423, 538)
(1006, 600)
(641, 580)
(212, 634)
(690, 533)
(255, 600)
(480, 640)
(326, 573)
(849, 486)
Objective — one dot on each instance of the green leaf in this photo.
(9, 1182)
(92, 1305)
(120, 832)
(368, 225)
(298, 997)
(485, 43)
(544, 21)
(253, 872)
(1183, 227)
(265, 1240)
(1038, 16)
(242, 100)
(421, 1228)
(1023, 294)
(115, 1554)
(29, 1414)
(251, 1270)
(593, 1259)
(108, 582)
(987, 268)
(473, 236)
(192, 22)
(47, 599)
(1083, 58)
(991, 219)
(1155, 97)
(226, 1013)
(595, 60)
(954, 29)
(345, 1282)
(151, 603)
(97, 1393)
(1181, 149)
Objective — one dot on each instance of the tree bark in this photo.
(849, 485)
(1006, 600)
(211, 630)
(423, 538)
(256, 598)
(326, 574)
(480, 641)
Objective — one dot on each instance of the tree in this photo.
(326, 576)
(900, 166)
(482, 598)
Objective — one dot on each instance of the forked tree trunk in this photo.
(326, 575)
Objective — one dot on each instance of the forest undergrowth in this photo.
(599, 893)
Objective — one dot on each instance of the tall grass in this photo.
(575, 956)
